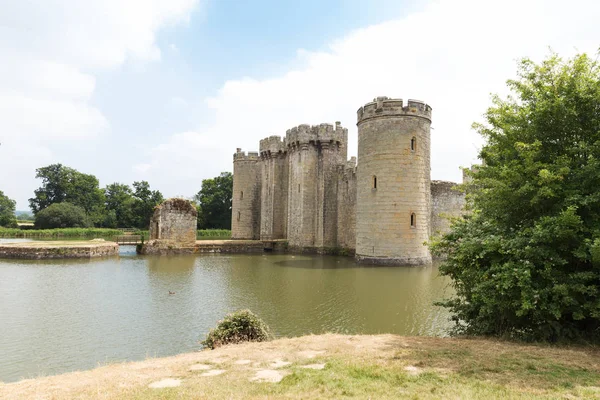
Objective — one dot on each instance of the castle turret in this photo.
(246, 206)
(393, 182)
(314, 154)
(274, 188)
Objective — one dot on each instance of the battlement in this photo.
(384, 106)
(351, 163)
(240, 155)
(272, 145)
(324, 133)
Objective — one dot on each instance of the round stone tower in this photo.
(393, 208)
(245, 209)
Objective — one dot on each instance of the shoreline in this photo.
(48, 250)
(334, 366)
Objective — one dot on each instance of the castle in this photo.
(302, 188)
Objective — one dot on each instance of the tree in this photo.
(214, 199)
(526, 262)
(64, 184)
(144, 202)
(62, 215)
(7, 211)
(119, 206)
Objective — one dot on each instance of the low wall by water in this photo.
(58, 250)
(163, 247)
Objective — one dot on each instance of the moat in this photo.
(65, 315)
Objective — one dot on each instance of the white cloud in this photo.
(50, 51)
(452, 54)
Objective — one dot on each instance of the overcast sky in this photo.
(165, 90)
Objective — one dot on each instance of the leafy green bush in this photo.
(7, 211)
(62, 215)
(237, 327)
(526, 262)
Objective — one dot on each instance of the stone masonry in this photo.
(302, 188)
(173, 224)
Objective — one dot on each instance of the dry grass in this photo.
(383, 366)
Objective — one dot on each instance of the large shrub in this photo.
(62, 215)
(237, 327)
(526, 262)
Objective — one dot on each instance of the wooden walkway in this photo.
(126, 240)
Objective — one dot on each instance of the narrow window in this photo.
(298, 188)
(374, 182)
(413, 220)
(242, 195)
(413, 144)
(239, 215)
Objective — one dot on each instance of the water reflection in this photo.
(62, 315)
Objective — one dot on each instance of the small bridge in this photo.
(126, 240)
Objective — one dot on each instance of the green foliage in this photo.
(237, 327)
(62, 184)
(119, 206)
(214, 202)
(526, 263)
(62, 215)
(59, 233)
(144, 201)
(201, 234)
(213, 233)
(7, 211)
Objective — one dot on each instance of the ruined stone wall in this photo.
(400, 167)
(246, 202)
(174, 221)
(346, 206)
(446, 202)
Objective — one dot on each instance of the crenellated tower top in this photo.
(240, 155)
(271, 146)
(385, 107)
(323, 133)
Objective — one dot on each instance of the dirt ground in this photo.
(338, 366)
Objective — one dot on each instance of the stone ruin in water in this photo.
(172, 227)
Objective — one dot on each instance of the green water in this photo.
(60, 316)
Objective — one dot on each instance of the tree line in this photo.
(68, 198)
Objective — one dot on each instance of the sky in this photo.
(166, 90)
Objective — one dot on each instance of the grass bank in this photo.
(202, 234)
(85, 233)
(337, 366)
(59, 233)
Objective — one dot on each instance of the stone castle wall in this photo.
(446, 203)
(246, 202)
(304, 190)
(274, 189)
(346, 206)
(393, 181)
